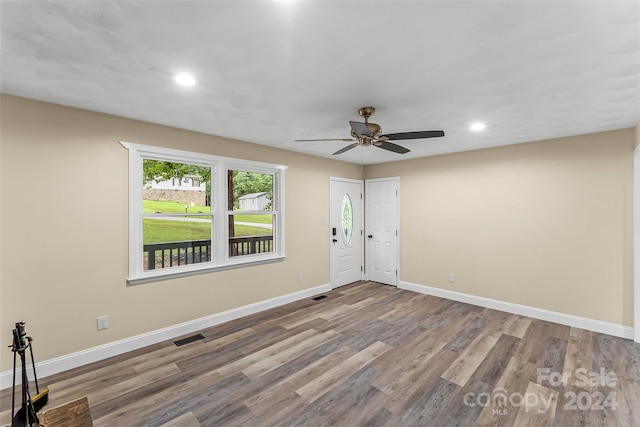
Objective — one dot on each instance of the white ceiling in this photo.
(270, 72)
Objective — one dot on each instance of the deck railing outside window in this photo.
(163, 255)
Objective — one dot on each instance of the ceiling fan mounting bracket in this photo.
(366, 112)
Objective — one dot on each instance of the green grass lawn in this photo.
(153, 206)
(159, 230)
(261, 219)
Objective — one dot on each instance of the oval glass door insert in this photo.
(346, 219)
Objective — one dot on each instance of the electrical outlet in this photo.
(452, 278)
(103, 322)
(299, 277)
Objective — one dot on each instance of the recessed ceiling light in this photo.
(477, 126)
(184, 79)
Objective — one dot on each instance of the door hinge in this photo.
(396, 272)
(360, 196)
(361, 268)
(396, 232)
(396, 192)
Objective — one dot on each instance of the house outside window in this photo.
(191, 212)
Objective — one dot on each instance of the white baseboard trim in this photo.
(83, 357)
(524, 310)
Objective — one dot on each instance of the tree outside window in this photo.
(184, 219)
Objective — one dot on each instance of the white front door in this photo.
(345, 231)
(382, 230)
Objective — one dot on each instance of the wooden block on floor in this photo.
(74, 414)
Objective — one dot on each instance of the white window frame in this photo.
(219, 165)
(243, 167)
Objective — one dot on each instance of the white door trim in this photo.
(397, 181)
(636, 242)
(333, 179)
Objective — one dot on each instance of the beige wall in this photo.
(64, 230)
(545, 224)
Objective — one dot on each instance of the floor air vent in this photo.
(188, 340)
(318, 298)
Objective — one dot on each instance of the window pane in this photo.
(249, 191)
(173, 241)
(170, 187)
(346, 219)
(250, 234)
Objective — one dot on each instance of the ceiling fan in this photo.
(366, 134)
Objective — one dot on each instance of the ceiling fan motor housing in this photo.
(374, 129)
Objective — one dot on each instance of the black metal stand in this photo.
(26, 416)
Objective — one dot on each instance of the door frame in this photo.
(636, 243)
(333, 179)
(396, 179)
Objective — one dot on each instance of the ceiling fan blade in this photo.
(360, 129)
(347, 148)
(414, 135)
(392, 147)
(329, 139)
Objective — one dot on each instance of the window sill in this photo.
(177, 273)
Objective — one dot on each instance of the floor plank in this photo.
(367, 355)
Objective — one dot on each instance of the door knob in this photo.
(370, 236)
(335, 240)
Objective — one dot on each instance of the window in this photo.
(191, 212)
(346, 218)
(176, 223)
(250, 211)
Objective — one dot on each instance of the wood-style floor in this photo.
(368, 354)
